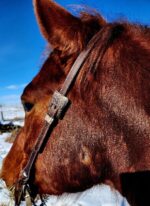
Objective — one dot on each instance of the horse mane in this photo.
(118, 42)
(106, 37)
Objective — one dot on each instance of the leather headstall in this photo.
(57, 105)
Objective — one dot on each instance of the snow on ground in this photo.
(4, 146)
(13, 114)
(100, 195)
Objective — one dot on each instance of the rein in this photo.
(56, 108)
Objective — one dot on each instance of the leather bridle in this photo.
(56, 108)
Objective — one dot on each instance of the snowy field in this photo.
(11, 113)
(100, 195)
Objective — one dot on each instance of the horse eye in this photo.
(27, 106)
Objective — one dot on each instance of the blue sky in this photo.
(22, 46)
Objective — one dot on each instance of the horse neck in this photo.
(130, 119)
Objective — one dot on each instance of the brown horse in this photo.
(104, 137)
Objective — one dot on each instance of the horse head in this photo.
(105, 133)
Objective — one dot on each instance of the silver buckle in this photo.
(57, 106)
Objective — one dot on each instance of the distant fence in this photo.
(11, 113)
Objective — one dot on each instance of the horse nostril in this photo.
(27, 106)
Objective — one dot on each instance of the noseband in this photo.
(56, 107)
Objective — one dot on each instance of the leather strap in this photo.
(55, 109)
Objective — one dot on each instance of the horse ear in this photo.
(57, 25)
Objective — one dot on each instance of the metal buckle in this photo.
(20, 188)
(57, 106)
